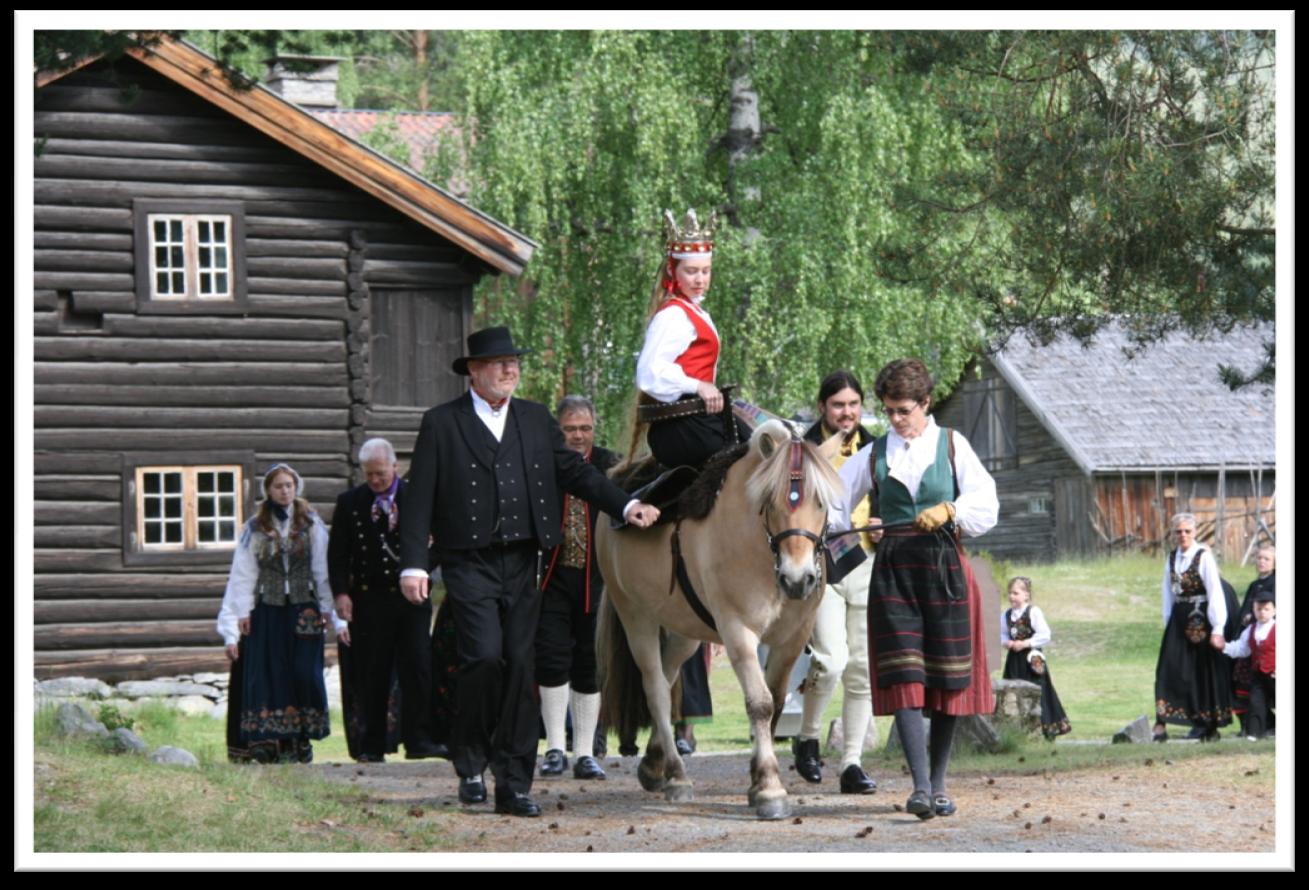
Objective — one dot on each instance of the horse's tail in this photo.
(624, 706)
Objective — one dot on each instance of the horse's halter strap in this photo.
(794, 497)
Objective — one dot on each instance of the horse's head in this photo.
(792, 489)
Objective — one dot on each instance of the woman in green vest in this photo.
(925, 633)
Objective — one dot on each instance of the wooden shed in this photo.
(221, 282)
(1094, 448)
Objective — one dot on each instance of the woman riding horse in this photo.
(752, 564)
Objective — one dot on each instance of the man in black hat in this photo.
(484, 484)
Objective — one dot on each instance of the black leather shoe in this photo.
(807, 763)
(942, 805)
(516, 804)
(370, 758)
(855, 781)
(587, 768)
(554, 763)
(684, 748)
(426, 751)
(472, 790)
(920, 805)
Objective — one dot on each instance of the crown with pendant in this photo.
(690, 240)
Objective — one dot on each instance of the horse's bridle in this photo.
(794, 497)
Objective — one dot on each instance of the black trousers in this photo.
(565, 637)
(390, 634)
(1263, 698)
(493, 595)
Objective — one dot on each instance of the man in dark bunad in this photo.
(570, 601)
(389, 635)
(485, 483)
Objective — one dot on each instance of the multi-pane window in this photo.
(187, 508)
(190, 257)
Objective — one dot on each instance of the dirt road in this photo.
(1161, 808)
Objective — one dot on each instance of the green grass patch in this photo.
(90, 801)
(1107, 620)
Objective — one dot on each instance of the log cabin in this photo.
(221, 281)
(1094, 448)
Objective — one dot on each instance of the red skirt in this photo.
(976, 698)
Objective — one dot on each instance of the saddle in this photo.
(681, 492)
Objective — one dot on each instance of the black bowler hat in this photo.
(487, 343)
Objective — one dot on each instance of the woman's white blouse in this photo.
(977, 507)
(668, 335)
(239, 597)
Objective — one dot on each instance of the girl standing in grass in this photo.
(1023, 631)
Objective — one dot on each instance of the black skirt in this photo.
(282, 694)
(1193, 681)
(1054, 721)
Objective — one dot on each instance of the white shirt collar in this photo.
(493, 418)
(908, 464)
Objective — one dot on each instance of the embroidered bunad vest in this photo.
(288, 580)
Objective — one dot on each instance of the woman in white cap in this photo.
(277, 603)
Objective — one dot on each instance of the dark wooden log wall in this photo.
(288, 381)
(1020, 533)
(1108, 512)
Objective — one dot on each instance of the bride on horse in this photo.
(679, 360)
(746, 559)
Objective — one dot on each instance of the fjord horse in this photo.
(755, 564)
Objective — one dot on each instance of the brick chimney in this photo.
(308, 81)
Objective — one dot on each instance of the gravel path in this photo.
(1158, 808)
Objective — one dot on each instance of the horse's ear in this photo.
(830, 448)
(767, 445)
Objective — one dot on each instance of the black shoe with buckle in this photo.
(370, 758)
(472, 790)
(942, 805)
(516, 804)
(855, 781)
(807, 763)
(554, 763)
(587, 768)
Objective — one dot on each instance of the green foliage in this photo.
(112, 718)
(385, 138)
(582, 139)
(1118, 173)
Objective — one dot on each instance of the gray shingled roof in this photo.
(1162, 408)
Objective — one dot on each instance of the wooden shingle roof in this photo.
(1161, 408)
(497, 245)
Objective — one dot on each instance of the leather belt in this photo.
(692, 407)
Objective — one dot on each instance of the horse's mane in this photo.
(699, 499)
(771, 479)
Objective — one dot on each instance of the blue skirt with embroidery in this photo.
(282, 694)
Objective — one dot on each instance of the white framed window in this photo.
(188, 508)
(190, 257)
(1040, 505)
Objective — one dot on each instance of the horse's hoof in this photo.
(773, 809)
(682, 792)
(650, 780)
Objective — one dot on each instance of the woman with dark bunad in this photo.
(1193, 681)
(1023, 635)
(1265, 560)
(277, 603)
(924, 610)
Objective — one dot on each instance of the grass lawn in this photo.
(1105, 616)
(1107, 622)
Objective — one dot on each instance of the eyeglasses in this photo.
(900, 412)
(1184, 531)
(578, 429)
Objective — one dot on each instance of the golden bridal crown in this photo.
(690, 239)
